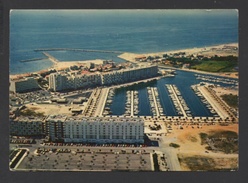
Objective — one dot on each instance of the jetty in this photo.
(79, 50)
(155, 102)
(174, 93)
(51, 58)
(32, 60)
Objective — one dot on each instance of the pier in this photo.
(155, 102)
(132, 102)
(174, 92)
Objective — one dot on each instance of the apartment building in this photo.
(24, 84)
(95, 129)
(63, 81)
(27, 126)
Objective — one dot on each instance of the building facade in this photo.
(95, 129)
(22, 85)
(63, 81)
(129, 75)
(27, 126)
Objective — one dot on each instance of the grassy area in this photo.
(174, 145)
(204, 163)
(216, 66)
(225, 141)
(231, 100)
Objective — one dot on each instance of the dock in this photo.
(155, 102)
(177, 99)
(132, 98)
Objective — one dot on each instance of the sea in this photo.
(135, 31)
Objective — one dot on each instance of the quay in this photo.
(102, 102)
(178, 101)
(217, 106)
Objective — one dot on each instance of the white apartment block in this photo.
(27, 126)
(96, 129)
(62, 81)
(128, 75)
(22, 85)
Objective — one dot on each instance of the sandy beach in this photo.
(203, 50)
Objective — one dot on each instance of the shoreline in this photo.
(128, 56)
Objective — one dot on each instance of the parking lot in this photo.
(87, 159)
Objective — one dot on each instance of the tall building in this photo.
(24, 84)
(95, 129)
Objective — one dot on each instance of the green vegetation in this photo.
(174, 145)
(216, 66)
(231, 100)
(225, 141)
(29, 112)
(198, 163)
(201, 163)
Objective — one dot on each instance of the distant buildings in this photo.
(24, 84)
(95, 129)
(63, 81)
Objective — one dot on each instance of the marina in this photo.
(154, 100)
(207, 98)
(190, 102)
(208, 78)
(132, 102)
(178, 101)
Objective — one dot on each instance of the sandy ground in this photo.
(51, 109)
(190, 145)
(189, 139)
